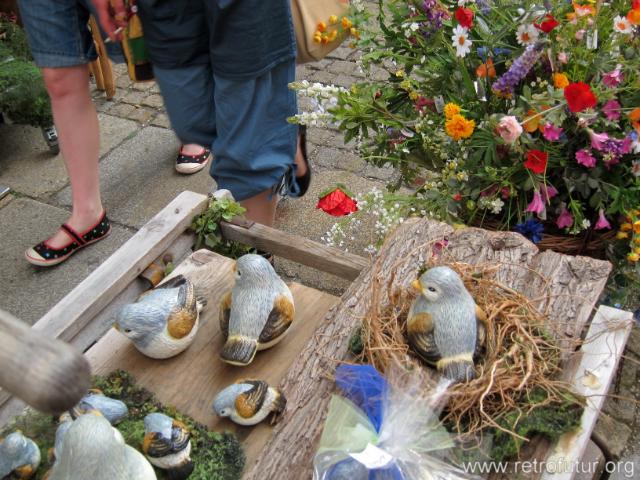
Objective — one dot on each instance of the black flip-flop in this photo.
(305, 180)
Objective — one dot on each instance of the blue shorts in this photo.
(58, 33)
(244, 121)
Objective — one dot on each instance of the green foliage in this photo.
(216, 456)
(551, 420)
(207, 228)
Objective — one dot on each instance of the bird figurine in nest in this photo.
(167, 445)
(164, 321)
(19, 456)
(112, 409)
(93, 449)
(444, 325)
(248, 402)
(256, 313)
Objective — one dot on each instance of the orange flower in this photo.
(458, 127)
(634, 116)
(636, 227)
(485, 69)
(346, 23)
(322, 27)
(560, 80)
(634, 16)
(581, 11)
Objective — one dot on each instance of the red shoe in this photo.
(43, 255)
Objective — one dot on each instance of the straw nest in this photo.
(518, 372)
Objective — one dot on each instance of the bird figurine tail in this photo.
(239, 350)
(458, 368)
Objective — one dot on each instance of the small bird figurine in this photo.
(442, 325)
(256, 313)
(93, 449)
(167, 445)
(162, 322)
(110, 408)
(18, 455)
(248, 402)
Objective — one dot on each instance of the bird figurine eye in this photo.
(431, 289)
(127, 330)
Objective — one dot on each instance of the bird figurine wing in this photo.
(250, 402)
(279, 320)
(481, 336)
(420, 336)
(225, 315)
(155, 445)
(185, 313)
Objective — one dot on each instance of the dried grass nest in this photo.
(520, 368)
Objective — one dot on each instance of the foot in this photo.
(79, 223)
(192, 158)
(301, 163)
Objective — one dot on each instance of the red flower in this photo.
(457, 197)
(635, 5)
(579, 96)
(464, 17)
(337, 202)
(549, 24)
(536, 161)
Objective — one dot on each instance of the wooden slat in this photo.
(293, 247)
(592, 371)
(190, 380)
(106, 72)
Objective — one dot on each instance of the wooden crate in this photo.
(323, 323)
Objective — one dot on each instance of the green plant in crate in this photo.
(207, 228)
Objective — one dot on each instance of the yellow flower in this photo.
(625, 227)
(636, 226)
(333, 35)
(317, 37)
(636, 240)
(400, 73)
(333, 19)
(346, 23)
(636, 250)
(560, 80)
(353, 31)
(622, 235)
(413, 95)
(458, 127)
(451, 109)
(633, 257)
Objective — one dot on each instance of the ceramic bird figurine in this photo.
(442, 325)
(167, 445)
(110, 408)
(18, 455)
(248, 402)
(164, 321)
(256, 313)
(93, 449)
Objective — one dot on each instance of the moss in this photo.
(355, 342)
(551, 420)
(216, 456)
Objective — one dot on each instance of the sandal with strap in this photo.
(44, 255)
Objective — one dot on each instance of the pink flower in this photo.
(585, 157)
(565, 219)
(598, 139)
(602, 222)
(613, 78)
(611, 110)
(551, 132)
(547, 192)
(509, 129)
(536, 205)
(580, 34)
(562, 57)
(505, 192)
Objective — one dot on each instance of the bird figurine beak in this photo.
(115, 325)
(417, 285)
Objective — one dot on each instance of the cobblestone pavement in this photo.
(138, 179)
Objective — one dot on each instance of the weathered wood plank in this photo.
(591, 372)
(190, 380)
(296, 248)
(292, 447)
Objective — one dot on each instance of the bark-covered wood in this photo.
(566, 288)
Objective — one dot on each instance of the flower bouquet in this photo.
(512, 115)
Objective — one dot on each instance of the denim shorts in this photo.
(58, 33)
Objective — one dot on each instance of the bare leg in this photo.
(261, 208)
(77, 124)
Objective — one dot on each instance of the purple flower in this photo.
(536, 205)
(565, 219)
(586, 158)
(518, 70)
(435, 17)
(551, 132)
(598, 139)
(547, 192)
(611, 110)
(613, 78)
(602, 222)
(532, 229)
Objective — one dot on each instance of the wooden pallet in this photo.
(320, 337)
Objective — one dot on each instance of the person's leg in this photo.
(77, 124)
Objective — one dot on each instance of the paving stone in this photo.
(123, 81)
(328, 157)
(322, 76)
(27, 291)
(154, 101)
(29, 168)
(143, 86)
(320, 65)
(134, 97)
(122, 109)
(625, 387)
(346, 68)
(161, 120)
(6, 200)
(633, 344)
(343, 52)
(377, 73)
(386, 173)
(592, 463)
(329, 137)
(614, 433)
(141, 114)
(138, 178)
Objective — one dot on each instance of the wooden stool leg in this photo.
(103, 60)
(96, 71)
